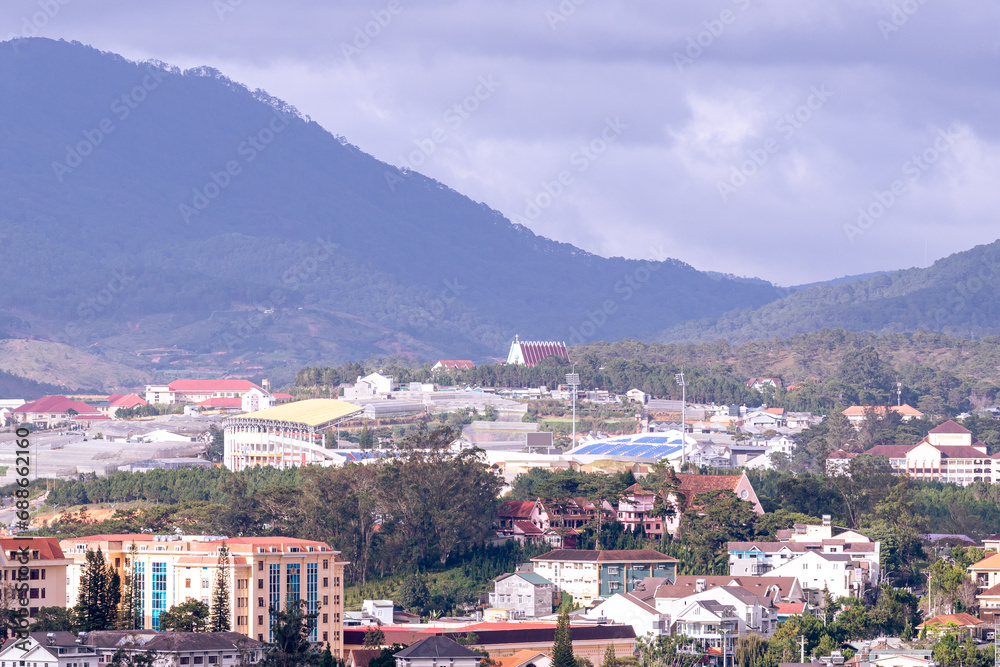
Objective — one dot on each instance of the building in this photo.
(986, 575)
(381, 610)
(52, 411)
(661, 592)
(369, 387)
(949, 453)
(588, 575)
(819, 573)
(117, 402)
(453, 365)
(762, 384)
(286, 435)
(627, 609)
(437, 650)
(264, 573)
(197, 391)
(720, 615)
(856, 413)
(47, 570)
(51, 649)
(221, 649)
(691, 485)
(256, 399)
(635, 510)
(529, 353)
(524, 594)
(838, 463)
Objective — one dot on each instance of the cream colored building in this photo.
(46, 571)
(264, 573)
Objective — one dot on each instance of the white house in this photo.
(524, 594)
(820, 572)
(52, 649)
(752, 612)
(380, 609)
(435, 651)
(635, 396)
(627, 609)
(257, 399)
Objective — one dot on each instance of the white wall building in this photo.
(627, 609)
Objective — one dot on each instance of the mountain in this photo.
(180, 223)
(957, 295)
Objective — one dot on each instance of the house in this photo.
(512, 511)
(526, 658)
(280, 398)
(453, 365)
(197, 391)
(838, 463)
(626, 609)
(986, 575)
(590, 574)
(231, 405)
(47, 570)
(761, 384)
(711, 455)
(636, 396)
(256, 399)
(380, 609)
(437, 650)
(818, 573)
(524, 594)
(660, 592)
(48, 649)
(360, 657)
(529, 353)
(856, 413)
(369, 386)
(51, 411)
(763, 419)
(222, 649)
(967, 624)
(692, 485)
(635, 511)
(711, 614)
(118, 401)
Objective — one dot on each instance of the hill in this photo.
(58, 365)
(180, 222)
(957, 296)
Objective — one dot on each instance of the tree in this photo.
(216, 448)
(750, 651)
(53, 619)
(610, 660)
(123, 658)
(668, 651)
(100, 593)
(374, 637)
(562, 646)
(413, 594)
(220, 593)
(385, 658)
(188, 616)
(290, 628)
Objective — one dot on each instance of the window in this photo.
(213, 659)
(260, 602)
(199, 660)
(326, 564)
(326, 600)
(260, 566)
(187, 583)
(326, 582)
(205, 583)
(260, 584)
(326, 618)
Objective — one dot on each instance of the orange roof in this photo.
(775, 411)
(692, 485)
(962, 620)
(518, 658)
(988, 563)
(859, 410)
(47, 547)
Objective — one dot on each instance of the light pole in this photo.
(679, 378)
(573, 380)
(899, 394)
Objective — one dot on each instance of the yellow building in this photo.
(264, 573)
(285, 436)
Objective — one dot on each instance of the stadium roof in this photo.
(313, 412)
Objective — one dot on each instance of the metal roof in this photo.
(312, 412)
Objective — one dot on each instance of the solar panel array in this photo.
(646, 447)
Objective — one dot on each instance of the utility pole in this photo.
(802, 648)
(899, 394)
(573, 380)
(679, 378)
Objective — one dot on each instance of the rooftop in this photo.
(312, 412)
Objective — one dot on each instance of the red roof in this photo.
(692, 485)
(959, 452)
(775, 411)
(791, 608)
(47, 547)
(534, 351)
(516, 509)
(56, 405)
(129, 401)
(221, 403)
(281, 395)
(950, 427)
(961, 620)
(528, 528)
(460, 364)
(841, 454)
(211, 385)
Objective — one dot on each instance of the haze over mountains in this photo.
(176, 221)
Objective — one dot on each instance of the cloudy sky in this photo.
(794, 140)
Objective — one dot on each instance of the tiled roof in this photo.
(528, 528)
(606, 556)
(530, 577)
(950, 426)
(692, 485)
(962, 620)
(990, 592)
(517, 509)
(437, 648)
(211, 385)
(518, 658)
(128, 401)
(841, 454)
(169, 642)
(360, 657)
(905, 410)
(960, 452)
(48, 547)
(56, 405)
(791, 608)
(991, 562)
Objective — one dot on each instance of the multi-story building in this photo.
(51, 411)
(856, 413)
(684, 500)
(196, 391)
(819, 573)
(949, 453)
(265, 573)
(588, 575)
(46, 570)
(285, 436)
(524, 594)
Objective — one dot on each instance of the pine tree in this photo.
(562, 647)
(127, 604)
(220, 593)
(610, 660)
(92, 610)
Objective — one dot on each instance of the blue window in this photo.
(311, 598)
(274, 577)
(140, 592)
(159, 592)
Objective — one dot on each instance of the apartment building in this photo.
(588, 574)
(46, 570)
(264, 573)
